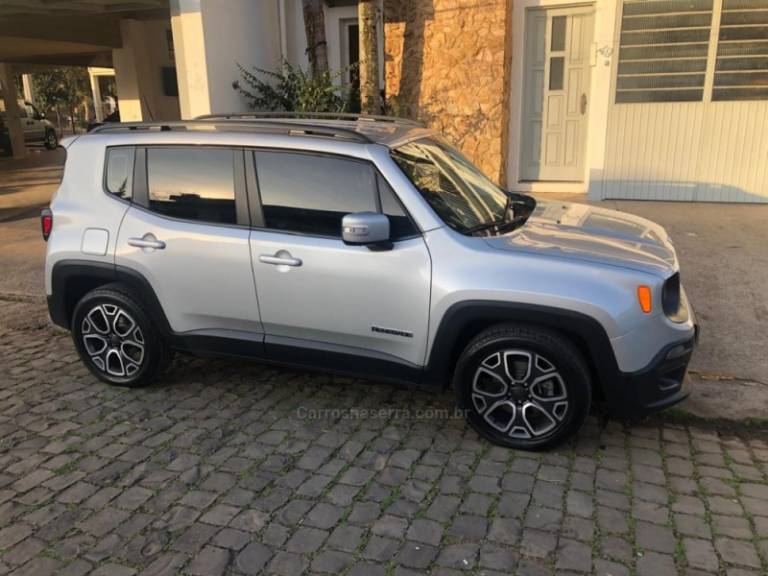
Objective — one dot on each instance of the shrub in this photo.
(292, 89)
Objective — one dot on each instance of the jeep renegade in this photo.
(366, 246)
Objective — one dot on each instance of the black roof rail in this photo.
(310, 116)
(256, 125)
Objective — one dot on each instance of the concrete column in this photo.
(12, 120)
(96, 93)
(139, 68)
(210, 40)
(29, 94)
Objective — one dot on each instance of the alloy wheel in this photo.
(113, 340)
(520, 393)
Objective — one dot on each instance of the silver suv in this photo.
(368, 247)
(37, 130)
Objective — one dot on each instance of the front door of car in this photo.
(316, 293)
(187, 233)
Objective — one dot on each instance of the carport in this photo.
(129, 36)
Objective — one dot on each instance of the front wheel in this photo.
(523, 387)
(51, 140)
(115, 338)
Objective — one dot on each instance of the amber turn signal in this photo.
(644, 298)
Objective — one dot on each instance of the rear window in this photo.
(192, 183)
(119, 172)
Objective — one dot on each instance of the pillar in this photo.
(12, 120)
(96, 93)
(209, 42)
(29, 94)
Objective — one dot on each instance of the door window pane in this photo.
(558, 33)
(119, 177)
(311, 194)
(400, 225)
(556, 72)
(192, 183)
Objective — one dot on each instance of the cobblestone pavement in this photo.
(237, 468)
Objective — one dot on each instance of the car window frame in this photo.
(141, 185)
(256, 205)
(104, 174)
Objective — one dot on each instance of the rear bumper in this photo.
(659, 385)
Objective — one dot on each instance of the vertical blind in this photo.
(664, 48)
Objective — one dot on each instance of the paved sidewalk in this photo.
(236, 468)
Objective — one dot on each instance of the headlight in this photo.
(673, 299)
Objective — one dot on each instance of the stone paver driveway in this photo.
(231, 467)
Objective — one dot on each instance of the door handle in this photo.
(583, 104)
(279, 260)
(147, 241)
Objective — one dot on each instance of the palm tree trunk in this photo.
(370, 99)
(314, 27)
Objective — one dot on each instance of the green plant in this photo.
(66, 87)
(292, 89)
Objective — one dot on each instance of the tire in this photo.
(51, 140)
(523, 387)
(115, 338)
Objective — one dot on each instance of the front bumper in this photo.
(661, 384)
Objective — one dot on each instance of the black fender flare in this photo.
(465, 319)
(66, 273)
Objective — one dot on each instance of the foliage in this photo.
(67, 87)
(292, 89)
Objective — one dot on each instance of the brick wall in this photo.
(446, 64)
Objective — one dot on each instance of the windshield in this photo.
(461, 195)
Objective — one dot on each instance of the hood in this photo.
(592, 234)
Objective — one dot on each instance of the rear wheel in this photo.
(51, 140)
(115, 338)
(523, 387)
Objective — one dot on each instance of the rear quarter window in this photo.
(118, 179)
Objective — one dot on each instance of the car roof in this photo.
(386, 131)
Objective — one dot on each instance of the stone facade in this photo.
(447, 64)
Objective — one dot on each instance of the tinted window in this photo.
(460, 194)
(400, 225)
(192, 183)
(119, 179)
(311, 194)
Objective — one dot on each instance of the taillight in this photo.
(46, 223)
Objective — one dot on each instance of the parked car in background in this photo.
(37, 130)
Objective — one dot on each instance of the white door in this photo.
(556, 94)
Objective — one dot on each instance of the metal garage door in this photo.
(689, 116)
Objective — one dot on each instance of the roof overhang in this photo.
(68, 32)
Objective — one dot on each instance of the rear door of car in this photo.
(187, 232)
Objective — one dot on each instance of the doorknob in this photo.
(147, 241)
(281, 258)
(583, 104)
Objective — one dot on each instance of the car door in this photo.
(323, 301)
(187, 233)
(34, 130)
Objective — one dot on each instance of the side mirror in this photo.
(41, 115)
(365, 229)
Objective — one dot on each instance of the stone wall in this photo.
(446, 64)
